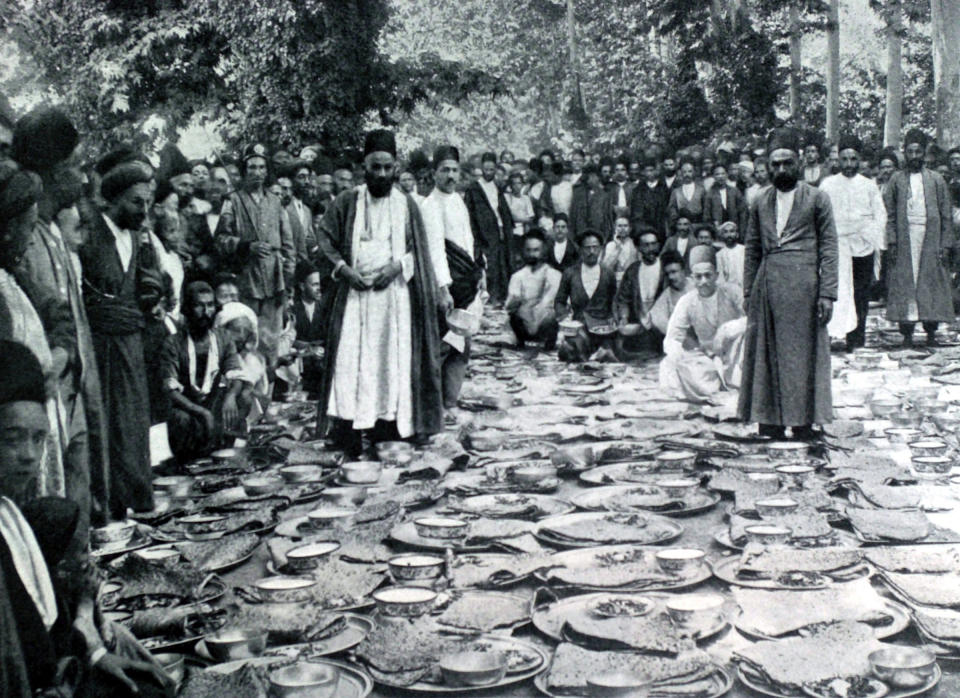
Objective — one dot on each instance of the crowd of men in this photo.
(142, 291)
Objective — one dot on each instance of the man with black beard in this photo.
(789, 286)
(382, 374)
(292, 194)
(669, 168)
(201, 376)
(492, 226)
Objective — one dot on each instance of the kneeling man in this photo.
(704, 338)
(200, 370)
(531, 293)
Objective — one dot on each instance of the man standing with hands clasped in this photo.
(789, 286)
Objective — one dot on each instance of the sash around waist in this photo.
(114, 317)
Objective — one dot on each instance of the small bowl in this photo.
(415, 568)
(680, 561)
(679, 488)
(157, 554)
(304, 680)
(203, 523)
(174, 485)
(902, 435)
(174, 666)
(768, 535)
(570, 328)
(932, 465)
(533, 474)
(441, 527)
(473, 668)
(916, 396)
(228, 645)
(776, 506)
(882, 408)
(304, 558)
(260, 485)
(463, 322)
(906, 418)
(932, 407)
(405, 601)
(696, 611)
(927, 447)
(602, 331)
(285, 589)
(903, 667)
(796, 473)
(329, 517)
(344, 496)
(668, 461)
(114, 533)
(297, 474)
(226, 455)
(362, 472)
(395, 453)
(787, 450)
(618, 684)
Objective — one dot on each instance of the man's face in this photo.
(687, 173)
(547, 162)
(605, 172)
(576, 163)
(516, 184)
(833, 162)
(849, 162)
(183, 185)
(447, 176)
(301, 182)
(705, 279)
(730, 236)
(407, 182)
(560, 230)
(488, 169)
(669, 167)
(343, 179)
(955, 163)
(74, 234)
(379, 168)
(234, 172)
(217, 186)
(286, 190)
(226, 293)
(590, 251)
(325, 185)
(275, 189)
(811, 155)
(167, 223)
(132, 206)
(620, 173)
(720, 175)
(201, 173)
(310, 288)
(532, 252)
(887, 168)
(707, 165)
(704, 237)
(675, 276)
(256, 173)
(650, 173)
(784, 169)
(649, 247)
(23, 433)
(761, 174)
(594, 181)
(913, 153)
(621, 228)
(634, 171)
(501, 176)
(200, 312)
(507, 158)
(683, 227)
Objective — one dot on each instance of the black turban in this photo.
(172, 163)
(125, 152)
(445, 152)
(21, 379)
(18, 191)
(891, 155)
(43, 138)
(380, 141)
(124, 176)
(784, 139)
(304, 270)
(64, 187)
(418, 161)
(915, 135)
(849, 142)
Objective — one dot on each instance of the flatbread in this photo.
(889, 496)
(916, 559)
(884, 524)
(927, 589)
(774, 613)
(653, 632)
(608, 529)
(939, 623)
(484, 612)
(777, 561)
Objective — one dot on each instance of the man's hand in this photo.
(116, 666)
(824, 311)
(445, 301)
(60, 361)
(261, 250)
(231, 415)
(207, 417)
(386, 275)
(356, 281)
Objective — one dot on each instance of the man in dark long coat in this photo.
(919, 243)
(790, 284)
(492, 224)
(382, 372)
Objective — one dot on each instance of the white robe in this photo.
(372, 377)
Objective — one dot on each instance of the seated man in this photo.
(200, 370)
(590, 290)
(51, 645)
(676, 285)
(311, 326)
(704, 339)
(530, 296)
(639, 289)
(620, 252)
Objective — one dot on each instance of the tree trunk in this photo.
(893, 119)
(945, 28)
(796, 64)
(578, 111)
(833, 71)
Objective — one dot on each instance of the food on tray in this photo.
(773, 613)
(653, 632)
(765, 563)
(875, 494)
(927, 589)
(850, 687)
(494, 570)
(615, 607)
(210, 555)
(884, 524)
(147, 584)
(288, 623)
(604, 529)
(484, 612)
(246, 682)
(635, 569)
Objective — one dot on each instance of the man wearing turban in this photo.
(919, 242)
(713, 314)
(789, 286)
(382, 372)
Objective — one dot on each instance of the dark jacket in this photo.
(693, 208)
(590, 310)
(570, 256)
(648, 207)
(735, 210)
(487, 233)
(590, 211)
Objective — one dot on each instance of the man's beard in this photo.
(532, 263)
(378, 186)
(200, 325)
(490, 178)
(285, 200)
(649, 260)
(851, 172)
(784, 181)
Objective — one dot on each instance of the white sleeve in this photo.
(436, 244)
(678, 326)
(879, 211)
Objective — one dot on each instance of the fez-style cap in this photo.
(703, 254)
(784, 139)
(380, 141)
(43, 138)
(849, 142)
(445, 152)
(18, 190)
(915, 135)
(21, 379)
